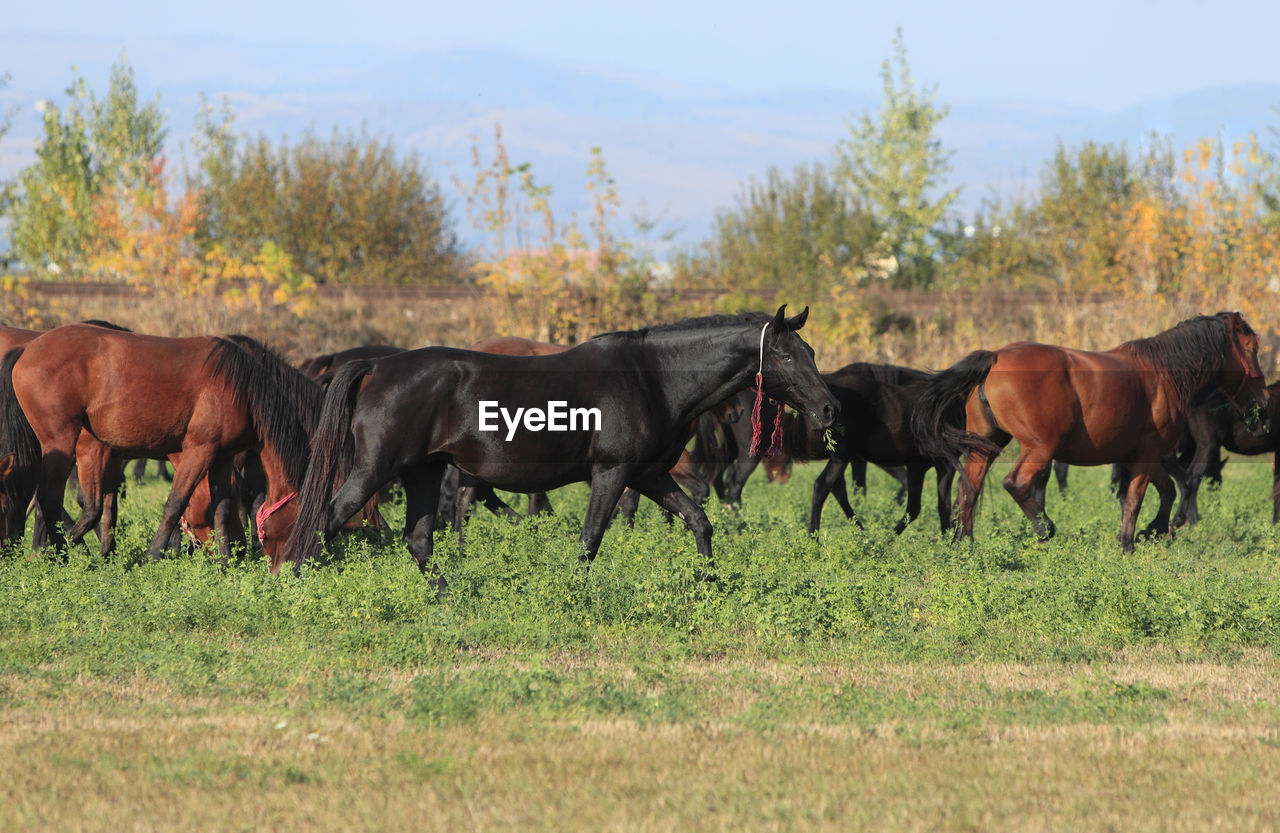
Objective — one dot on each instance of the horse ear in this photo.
(780, 320)
(795, 322)
(6, 465)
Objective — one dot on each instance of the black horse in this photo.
(876, 402)
(411, 414)
(730, 478)
(1217, 423)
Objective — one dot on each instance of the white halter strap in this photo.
(762, 330)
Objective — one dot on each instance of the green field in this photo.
(855, 681)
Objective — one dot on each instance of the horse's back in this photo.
(517, 346)
(1081, 406)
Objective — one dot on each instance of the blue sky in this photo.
(675, 92)
(1104, 54)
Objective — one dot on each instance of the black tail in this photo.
(17, 437)
(332, 452)
(938, 421)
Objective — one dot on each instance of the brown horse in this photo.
(1127, 405)
(22, 488)
(202, 398)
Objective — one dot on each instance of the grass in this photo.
(852, 681)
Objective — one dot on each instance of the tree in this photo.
(797, 235)
(897, 164)
(89, 149)
(346, 211)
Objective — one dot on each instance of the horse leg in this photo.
(841, 494)
(832, 474)
(194, 467)
(1060, 470)
(112, 490)
(1026, 483)
(1132, 502)
(736, 479)
(96, 464)
(1189, 508)
(539, 504)
(915, 485)
(975, 472)
(1164, 486)
(140, 469)
(662, 490)
(606, 488)
(945, 474)
(1275, 488)
(628, 505)
(903, 477)
(858, 475)
(421, 499)
(226, 512)
(56, 461)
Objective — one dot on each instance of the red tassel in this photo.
(755, 417)
(775, 444)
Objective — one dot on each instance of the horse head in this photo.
(1241, 376)
(788, 370)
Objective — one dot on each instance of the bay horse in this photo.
(196, 400)
(413, 413)
(1126, 405)
(21, 488)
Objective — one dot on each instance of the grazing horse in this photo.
(1127, 405)
(1215, 424)
(874, 426)
(876, 403)
(196, 400)
(22, 487)
(802, 445)
(412, 414)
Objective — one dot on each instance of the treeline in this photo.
(258, 221)
(251, 218)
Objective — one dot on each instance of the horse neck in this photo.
(279, 483)
(708, 370)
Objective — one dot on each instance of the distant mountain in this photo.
(678, 153)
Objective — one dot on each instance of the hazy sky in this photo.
(1106, 54)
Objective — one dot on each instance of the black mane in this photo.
(1191, 352)
(284, 403)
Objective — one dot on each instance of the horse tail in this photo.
(17, 437)
(332, 453)
(938, 421)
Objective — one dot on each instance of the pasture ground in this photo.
(855, 681)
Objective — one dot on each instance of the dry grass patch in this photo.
(1203, 753)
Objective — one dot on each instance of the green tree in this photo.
(349, 210)
(799, 235)
(897, 164)
(89, 148)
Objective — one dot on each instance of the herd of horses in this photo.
(307, 451)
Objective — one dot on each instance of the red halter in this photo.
(265, 512)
